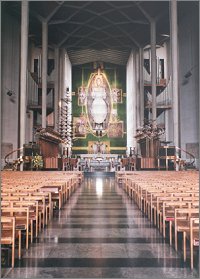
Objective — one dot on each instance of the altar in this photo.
(98, 155)
(98, 162)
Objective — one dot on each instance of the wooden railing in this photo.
(192, 157)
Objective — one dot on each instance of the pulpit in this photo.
(149, 147)
(49, 141)
(149, 152)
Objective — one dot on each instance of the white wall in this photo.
(131, 100)
(10, 55)
(161, 53)
(165, 117)
(68, 83)
(68, 73)
(137, 89)
(168, 113)
(189, 88)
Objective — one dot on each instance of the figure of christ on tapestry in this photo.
(98, 147)
(98, 102)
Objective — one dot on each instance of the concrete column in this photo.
(44, 71)
(137, 89)
(63, 89)
(31, 56)
(174, 64)
(141, 86)
(56, 89)
(31, 125)
(129, 101)
(1, 99)
(134, 99)
(60, 86)
(32, 48)
(153, 70)
(61, 69)
(23, 73)
(167, 125)
(167, 76)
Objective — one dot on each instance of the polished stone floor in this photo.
(100, 233)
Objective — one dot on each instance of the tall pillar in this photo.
(60, 92)
(174, 63)
(141, 86)
(134, 92)
(129, 101)
(153, 70)
(44, 71)
(63, 89)
(138, 89)
(61, 74)
(0, 94)
(31, 125)
(32, 47)
(56, 89)
(23, 73)
(168, 76)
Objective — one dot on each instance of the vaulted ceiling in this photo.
(96, 30)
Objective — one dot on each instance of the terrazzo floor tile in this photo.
(100, 233)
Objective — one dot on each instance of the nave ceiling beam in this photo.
(66, 20)
(128, 17)
(54, 11)
(144, 12)
(119, 28)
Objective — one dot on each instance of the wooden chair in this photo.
(8, 234)
(194, 238)
(182, 224)
(22, 221)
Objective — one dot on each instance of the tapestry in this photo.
(116, 95)
(80, 126)
(99, 107)
(82, 96)
(115, 130)
(98, 147)
(99, 103)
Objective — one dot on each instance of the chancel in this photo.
(100, 139)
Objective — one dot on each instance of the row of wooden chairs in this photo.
(169, 200)
(27, 203)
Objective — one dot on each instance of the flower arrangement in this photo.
(148, 131)
(37, 162)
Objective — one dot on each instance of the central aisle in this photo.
(100, 233)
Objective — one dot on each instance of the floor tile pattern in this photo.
(100, 233)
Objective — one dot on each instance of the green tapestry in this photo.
(99, 108)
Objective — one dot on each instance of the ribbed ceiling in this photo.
(105, 55)
(96, 30)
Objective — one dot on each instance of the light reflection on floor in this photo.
(100, 233)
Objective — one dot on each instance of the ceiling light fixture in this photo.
(165, 35)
